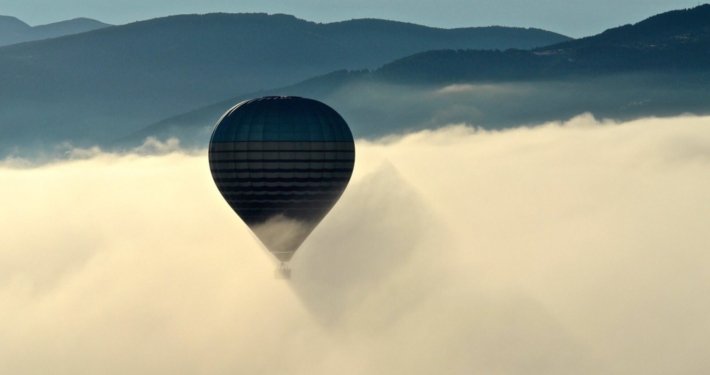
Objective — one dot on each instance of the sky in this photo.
(575, 18)
(565, 248)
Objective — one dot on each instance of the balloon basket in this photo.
(283, 272)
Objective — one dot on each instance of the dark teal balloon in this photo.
(281, 163)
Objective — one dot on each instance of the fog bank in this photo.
(564, 248)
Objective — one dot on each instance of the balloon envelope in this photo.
(281, 163)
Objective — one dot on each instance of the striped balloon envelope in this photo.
(281, 162)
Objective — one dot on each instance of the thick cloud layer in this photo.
(565, 248)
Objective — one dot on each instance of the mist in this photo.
(376, 108)
(574, 247)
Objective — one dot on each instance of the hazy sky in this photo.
(576, 248)
(571, 17)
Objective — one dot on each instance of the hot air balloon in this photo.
(281, 162)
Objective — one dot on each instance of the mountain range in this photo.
(13, 31)
(657, 67)
(97, 85)
(174, 76)
(677, 40)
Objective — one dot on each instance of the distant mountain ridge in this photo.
(676, 40)
(13, 30)
(101, 84)
(670, 27)
(659, 66)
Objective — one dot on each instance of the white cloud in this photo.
(564, 248)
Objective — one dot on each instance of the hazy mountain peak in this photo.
(224, 16)
(77, 21)
(10, 21)
(11, 27)
(13, 30)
